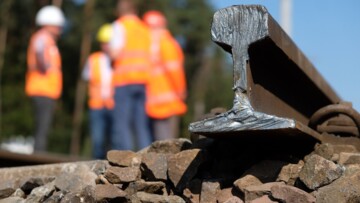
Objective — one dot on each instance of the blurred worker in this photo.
(130, 50)
(166, 91)
(98, 72)
(44, 76)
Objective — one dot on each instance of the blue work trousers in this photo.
(131, 123)
(100, 127)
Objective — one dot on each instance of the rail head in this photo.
(275, 85)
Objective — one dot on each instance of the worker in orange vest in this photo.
(166, 91)
(44, 76)
(130, 51)
(98, 72)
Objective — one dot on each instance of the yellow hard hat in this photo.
(104, 33)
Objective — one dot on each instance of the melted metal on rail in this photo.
(236, 29)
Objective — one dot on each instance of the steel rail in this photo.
(276, 87)
(11, 159)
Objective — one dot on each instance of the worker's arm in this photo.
(174, 65)
(85, 75)
(42, 60)
(117, 41)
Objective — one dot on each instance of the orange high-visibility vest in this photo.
(132, 66)
(167, 88)
(48, 84)
(100, 91)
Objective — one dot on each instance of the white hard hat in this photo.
(50, 15)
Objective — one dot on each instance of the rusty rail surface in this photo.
(276, 87)
(11, 159)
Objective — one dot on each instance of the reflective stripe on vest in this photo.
(100, 87)
(163, 99)
(132, 66)
(49, 83)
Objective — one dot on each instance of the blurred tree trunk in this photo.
(81, 85)
(5, 12)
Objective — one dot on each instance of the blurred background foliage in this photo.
(208, 69)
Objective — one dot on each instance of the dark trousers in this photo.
(129, 115)
(166, 128)
(100, 127)
(43, 109)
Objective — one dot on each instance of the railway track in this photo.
(11, 159)
(277, 90)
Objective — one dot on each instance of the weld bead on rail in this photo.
(276, 88)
